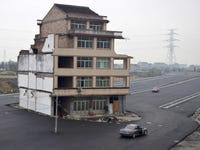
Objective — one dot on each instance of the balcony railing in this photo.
(114, 34)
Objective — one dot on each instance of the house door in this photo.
(115, 106)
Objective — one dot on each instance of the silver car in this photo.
(155, 89)
(133, 130)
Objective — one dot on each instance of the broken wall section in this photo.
(35, 82)
(35, 78)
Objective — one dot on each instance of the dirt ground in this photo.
(8, 84)
(192, 142)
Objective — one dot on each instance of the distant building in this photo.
(73, 58)
(144, 65)
(160, 65)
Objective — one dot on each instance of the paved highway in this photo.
(147, 84)
(20, 129)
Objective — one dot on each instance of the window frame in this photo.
(85, 42)
(103, 63)
(96, 26)
(77, 24)
(102, 81)
(103, 43)
(81, 105)
(98, 104)
(84, 82)
(84, 62)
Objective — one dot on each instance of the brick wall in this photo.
(65, 42)
(54, 22)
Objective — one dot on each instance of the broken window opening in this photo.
(119, 82)
(120, 63)
(65, 62)
(65, 82)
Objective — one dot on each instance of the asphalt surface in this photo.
(147, 84)
(23, 130)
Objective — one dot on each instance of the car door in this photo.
(139, 130)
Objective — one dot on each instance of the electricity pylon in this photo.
(171, 57)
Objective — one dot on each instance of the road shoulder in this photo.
(191, 142)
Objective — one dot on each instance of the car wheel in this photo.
(134, 136)
(145, 132)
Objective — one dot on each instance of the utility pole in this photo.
(4, 60)
(171, 58)
(56, 117)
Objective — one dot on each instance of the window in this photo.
(84, 82)
(96, 26)
(103, 43)
(78, 24)
(85, 42)
(102, 81)
(103, 63)
(99, 103)
(84, 62)
(65, 82)
(82, 105)
(65, 62)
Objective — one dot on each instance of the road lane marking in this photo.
(177, 83)
(172, 102)
(9, 94)
(148, 122)
(166, 85)
(151, 78)
(180, 100)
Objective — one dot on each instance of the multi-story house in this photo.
(73, 58)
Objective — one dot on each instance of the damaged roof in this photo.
(76, 9)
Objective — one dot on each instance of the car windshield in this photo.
(131, 126)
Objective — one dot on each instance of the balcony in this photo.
(112, 34)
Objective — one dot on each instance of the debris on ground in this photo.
(8, 84)
(115, 118)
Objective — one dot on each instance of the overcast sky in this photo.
(144, 23)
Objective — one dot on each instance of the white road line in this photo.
(172, 102)
(180, 82)
(165, 86)
(9, 94)
(180, 100)
(150, 79)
